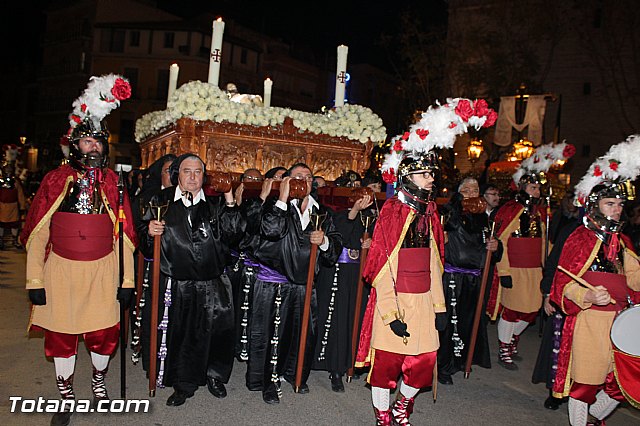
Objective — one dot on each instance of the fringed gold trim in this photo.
(389, 315)
(371, 358)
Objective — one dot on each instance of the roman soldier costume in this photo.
(12, 198)
(72, 254)
(406, 307)
(522, 231)
(599, 254)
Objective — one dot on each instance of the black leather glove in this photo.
(399, 328)
(125, 295)
(441, 321)
(506, 281)
(38, 296)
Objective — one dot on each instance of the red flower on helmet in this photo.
(406, 135)
(597, 171)
(491, 119)
(389, 176)
(397, 146)
(76, 118)
(481, 108)
(121, 89)
(83, 107)
(464, 110)
(422, 133)
(613, 165)
(569, 151)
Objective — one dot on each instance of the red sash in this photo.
(81, 236)
(8, 195)
(616, 285)
(525, 252)
(414, 270)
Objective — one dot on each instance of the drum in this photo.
(625, 331)
(625, 338)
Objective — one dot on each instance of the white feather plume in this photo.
(620, 163)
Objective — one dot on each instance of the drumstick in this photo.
(583, 282)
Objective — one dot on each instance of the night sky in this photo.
(316, 26)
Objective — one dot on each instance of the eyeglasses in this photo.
(253, 178)
(493, 194)
(305, 178)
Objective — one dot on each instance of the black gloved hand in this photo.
(441, 321)
(506, 281)
(399, 328)
(124, 296)
(38, 296)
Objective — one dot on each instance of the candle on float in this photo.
(174, 69)
(341, 75)
(267, 92)
(215, 57)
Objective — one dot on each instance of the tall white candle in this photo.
(267, 92)
(341, 75)
(215, 58)
(174, 69)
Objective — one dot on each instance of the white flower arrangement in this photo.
(543, 158)
(620, 163)
(204, 101)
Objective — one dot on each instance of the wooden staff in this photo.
(356, 314)
(305, 316)
(155, 290)
(123, 309)
(582, 282)
(479, 304)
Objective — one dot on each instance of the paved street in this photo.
(489, 397)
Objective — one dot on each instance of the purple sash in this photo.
(450, 269)
(346, 258)
(270, 275)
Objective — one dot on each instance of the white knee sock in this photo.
(100, 362)
(505, 330)
(519, 327)
(578, 412)
(64, 366)
(408, 391)
(603, 406)
(380, 398)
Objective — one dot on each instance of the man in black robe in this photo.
(196, 232)
(337, 287)
(286, 235)
(465, 251)
(157, 180)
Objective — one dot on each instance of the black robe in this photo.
(466, 249)
(544, 371)
(193, 258)
(337, 356)
(284, 247)
(242, 273)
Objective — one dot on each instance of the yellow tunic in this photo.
(419, 309)
(591, 354)
(81, 295)
(525, 295)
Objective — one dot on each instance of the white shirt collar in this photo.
(304, 216)
(178, 196)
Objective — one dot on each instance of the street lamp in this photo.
(474, 151)
(521, 150)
